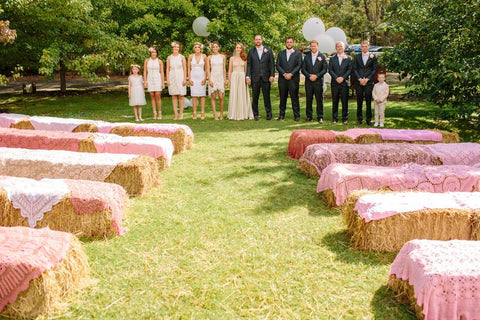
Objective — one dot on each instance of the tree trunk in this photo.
(63, 78)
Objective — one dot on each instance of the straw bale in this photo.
(180, 139)
(136, 176)
(87, 145)
(23, 124)
(341, 138)
(50, 293)
(369, 138)
(308, 169)
(62, 217)
(391, 233)
(449, 137)
(405, 295)
(86, 127)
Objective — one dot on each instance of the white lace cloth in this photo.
(37, 164)
(7, 119)
(56, 124)
(445, 276)
(33, 197)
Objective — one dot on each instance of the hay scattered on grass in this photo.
(391, 233)
(62, 217)
(180, 139)
(137, 175)
(51, 292)
(405, 295)
(308, 169)
(23, 124)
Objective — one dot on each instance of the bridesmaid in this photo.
(198, 78)
(153, 75)
(217, 77)
(239, 107)
(176, 79)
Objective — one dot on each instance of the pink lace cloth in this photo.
(55, 124)
(154, 147)
(445, 276)
(38, 164)
(408, 134)
(90, 196)
(377, 154)
(342, 178)
(7, 119)
(40, 139)
(383, 205)
(467, 153)
(163, 128)
(25, 254)
(301, 139)
(34, 198)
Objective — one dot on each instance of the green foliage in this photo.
(440, 54)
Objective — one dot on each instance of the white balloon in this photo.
(326, 44)
(313, 27)
(200, 26)
(337, 34)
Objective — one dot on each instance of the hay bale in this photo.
(91, 209)
(23, 124)
(86, 127)
(369, 138)
(308, 169)
(404, 294)
(448, 137)
(391, 233)
(341, 138)
(87, 145)
(49, 293)
(136, 176)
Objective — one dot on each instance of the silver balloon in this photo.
(200, 26)
(326, 44)
(312, 28)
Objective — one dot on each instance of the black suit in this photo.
(362, 70)
(293, 66)
(340, 90)
(259, 71)
(319, 68)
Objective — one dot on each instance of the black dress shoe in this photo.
(269, 117)
(296, 119)
(359, 122)
(369, 123)
(308, 120)
(255, 117)
(280, 118)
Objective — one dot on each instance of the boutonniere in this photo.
(265, 50)
(371, 56)
(343, 56)
(319, 58)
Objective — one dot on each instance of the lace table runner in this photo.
(25, 254)
(343, 178)
(408, 134)
(55, 124)
(467, 153)
(382, 205)
(445, 276)
(7, 119)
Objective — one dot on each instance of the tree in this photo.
(439, 54)
(7, 35)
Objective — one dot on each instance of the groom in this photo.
(260, 74)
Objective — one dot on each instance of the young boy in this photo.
(380, 94)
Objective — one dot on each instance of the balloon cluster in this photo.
(314, 29)
(6, 34)
(200, 26)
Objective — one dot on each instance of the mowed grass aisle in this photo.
(234, 231)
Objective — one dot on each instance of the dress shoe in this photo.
(345, 122)
(308, 120)
(369, 123)
(296, 119)
(359, 122)
(269, 117)
(255, 117)
(334, 121)
(280, 118)
(320, 120)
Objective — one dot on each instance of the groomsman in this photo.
(340, 67)
(289, 63)
(364, 67)
(314, 68)
(260, 74)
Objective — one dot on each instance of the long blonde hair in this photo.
(243, 55)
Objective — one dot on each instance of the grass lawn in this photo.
(235, 230)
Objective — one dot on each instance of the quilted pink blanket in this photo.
(25, 254)
(445, 276)
(343, 178)
(383, 205)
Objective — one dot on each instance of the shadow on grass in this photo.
(386, 307)
(339, 244)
